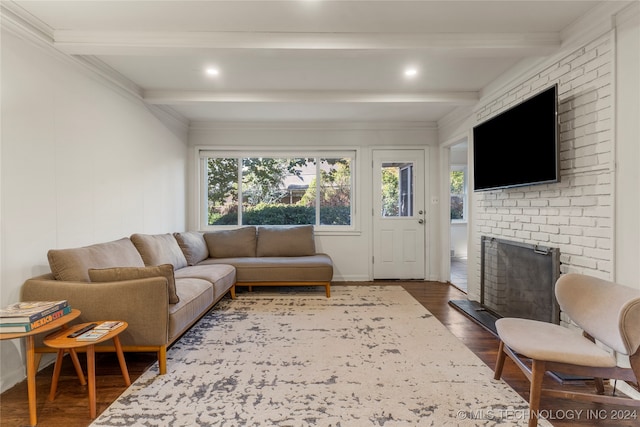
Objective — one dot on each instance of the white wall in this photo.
(627, 195)
(351, 252)
(82, 163)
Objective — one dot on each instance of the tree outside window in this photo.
(458, 194)
(279, 191)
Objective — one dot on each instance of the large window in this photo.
(270, 189)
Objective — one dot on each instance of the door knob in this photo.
(421, 221)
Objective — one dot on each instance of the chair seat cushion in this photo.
(551, 342)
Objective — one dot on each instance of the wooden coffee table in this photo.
(32, 363)
(62, 342)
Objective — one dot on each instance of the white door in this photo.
(398, 214)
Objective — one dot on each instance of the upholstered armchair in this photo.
(609, 347)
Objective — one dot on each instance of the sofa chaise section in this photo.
(271, 256)
(310, 270)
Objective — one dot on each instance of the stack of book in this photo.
(29, 315)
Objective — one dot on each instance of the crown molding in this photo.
(108, 73)
(598, 22)
(629, 14)
(22, 24)
(594, 23)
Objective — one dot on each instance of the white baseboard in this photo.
(351, 278)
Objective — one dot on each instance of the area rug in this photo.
(367, 356)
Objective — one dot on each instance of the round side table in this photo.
(31, 355)
(63, 342)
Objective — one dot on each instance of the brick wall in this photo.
(575, 215)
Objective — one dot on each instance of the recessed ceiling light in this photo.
(212, 71)
(410, 72)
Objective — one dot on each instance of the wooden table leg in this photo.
(123, 363)
(56, 374)
(31, 379)
(76, 363)
(58, 367)
(91, 374)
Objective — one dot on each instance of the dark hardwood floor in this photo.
(70, 407)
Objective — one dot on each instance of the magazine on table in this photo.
(92, 335)
(109, 325)
(10, 325)
(30, 311)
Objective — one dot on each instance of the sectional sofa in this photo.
(162, 284)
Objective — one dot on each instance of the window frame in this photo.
(204, 152)
(465, 193)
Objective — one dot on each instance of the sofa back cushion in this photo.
(73, 264)
(240, 242)
(157, 249)
(274, 241)
(118, 274)
(193, 246)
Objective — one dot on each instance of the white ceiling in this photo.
(310, 60)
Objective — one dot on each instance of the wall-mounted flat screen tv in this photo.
(519, 146)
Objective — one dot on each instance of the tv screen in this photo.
(519, 146)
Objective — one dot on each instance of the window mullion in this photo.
(318, 184)
(240, 190)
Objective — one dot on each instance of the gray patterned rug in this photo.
(368, 356)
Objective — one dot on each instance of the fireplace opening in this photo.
(516, 280)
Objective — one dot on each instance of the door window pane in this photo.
(397, 189)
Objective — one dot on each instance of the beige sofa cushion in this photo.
(314, 268)
(222, 276)
(193, 246)
(118, 274)
(285, 241)
(240, 242)
(73, 265)
(196, 296)
(157, 249)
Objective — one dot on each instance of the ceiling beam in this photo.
(154, 43)
(168, 97)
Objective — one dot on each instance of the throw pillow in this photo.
(193, 246)
(118, 274)
(157, 249)
(240, 242)
(295, 240)
(72, 264)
